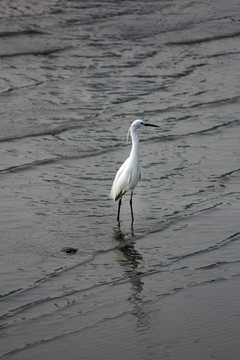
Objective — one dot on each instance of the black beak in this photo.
(146, 124)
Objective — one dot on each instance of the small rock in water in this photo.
(69, 250)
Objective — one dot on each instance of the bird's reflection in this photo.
(129, 259)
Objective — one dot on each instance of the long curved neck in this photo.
(134, 155)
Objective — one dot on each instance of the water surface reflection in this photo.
(129, 259)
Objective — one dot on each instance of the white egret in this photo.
(129, 173)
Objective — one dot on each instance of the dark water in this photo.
(74, 75)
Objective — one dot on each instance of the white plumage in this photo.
(129, 173)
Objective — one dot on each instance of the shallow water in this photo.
(74, 76)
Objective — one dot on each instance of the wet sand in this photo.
(74, 76)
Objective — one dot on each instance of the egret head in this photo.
(136, 124)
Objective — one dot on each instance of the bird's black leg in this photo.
(119, 205)
(131, 206)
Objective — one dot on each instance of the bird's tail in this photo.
(114, 194)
